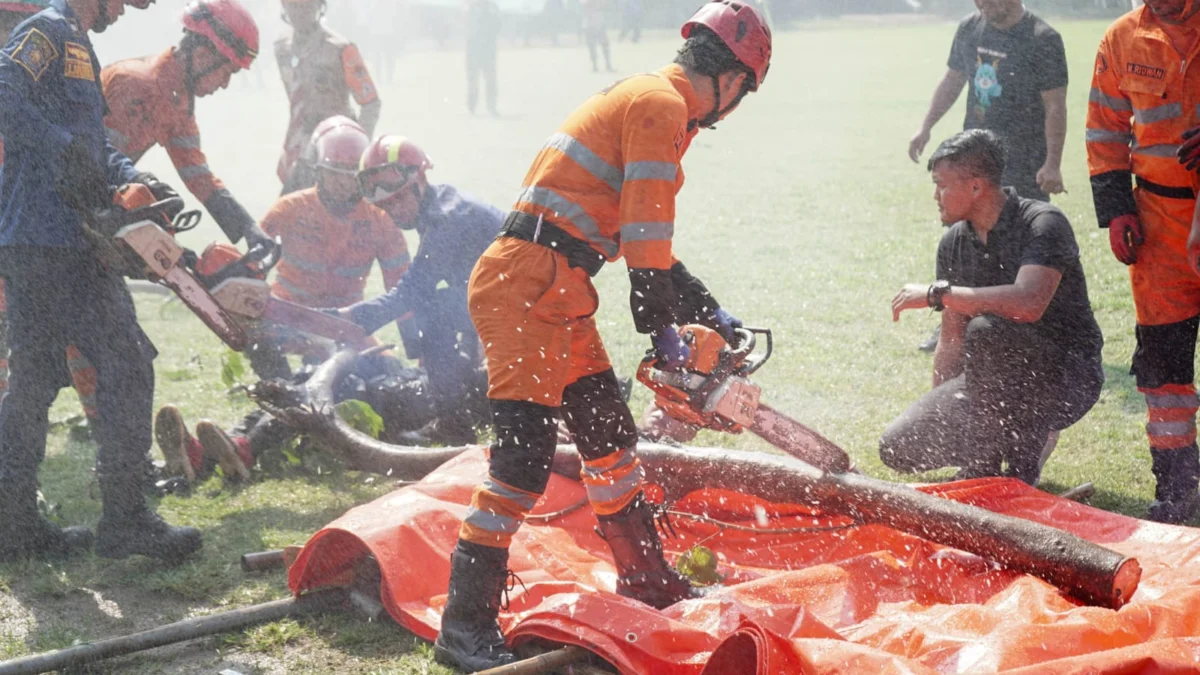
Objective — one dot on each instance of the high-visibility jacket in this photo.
(149, 105)
(609, 176)
(326, 256)
(320, 78)
(1144, 96)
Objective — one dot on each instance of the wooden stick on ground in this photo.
(542, 663)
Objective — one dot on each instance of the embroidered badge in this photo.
(78, 62)
(35, 53)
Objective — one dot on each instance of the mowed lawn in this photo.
(802, 213)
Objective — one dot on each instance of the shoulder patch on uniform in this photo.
(78, 62)
(35, 53)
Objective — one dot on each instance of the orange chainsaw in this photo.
(135, 237)
(713, 392)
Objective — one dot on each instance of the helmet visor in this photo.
(379, 183)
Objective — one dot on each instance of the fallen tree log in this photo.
(180, 631)
(1087, 571)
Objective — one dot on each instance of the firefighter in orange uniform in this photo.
(321, 72)
(331, 236)
(152, 102)
(1145, 89)
(601, 188)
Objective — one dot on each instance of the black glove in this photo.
(234, 220)
(256, 237)
(159, 189)
(1189, 150)
(83, 183)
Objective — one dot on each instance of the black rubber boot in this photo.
(26, 533)
(642, 572)
(128, 527)
(470, 639)
(1178, 475)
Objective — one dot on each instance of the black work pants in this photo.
(60, 297)
(1017, 386)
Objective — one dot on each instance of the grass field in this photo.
(802, 213)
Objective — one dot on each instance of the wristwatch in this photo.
(937, 291)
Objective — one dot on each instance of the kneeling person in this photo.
(1019, 357)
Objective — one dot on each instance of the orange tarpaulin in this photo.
(865, 599)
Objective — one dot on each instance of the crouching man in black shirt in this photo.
(1019, 357)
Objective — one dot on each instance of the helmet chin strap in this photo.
(190, 76)
(709, 121)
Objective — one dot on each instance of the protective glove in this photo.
(83, 184)
(256, 237)
(159, 189)
(726, 324)
(1125, 234)
(1189, 151)
(669, 349)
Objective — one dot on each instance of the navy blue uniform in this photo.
(58, 293)
(455, 229)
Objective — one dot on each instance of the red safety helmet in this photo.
(338, 143)
(742, 29)
(227, 25)
(388, 166)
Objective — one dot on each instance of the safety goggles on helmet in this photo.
(382, 182)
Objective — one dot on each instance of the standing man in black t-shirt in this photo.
(1019, 356)
(1017, 70)
(1016, 67)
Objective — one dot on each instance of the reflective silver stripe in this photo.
(398, 261)
(192, 142)
(187, 172)
(1171, 428)
(327, 300)
(1160, 150)
(614, 491)
(352, 271)
(651, 171)
(525, 501)
(1190, 401)
(492, 522)
(302, 264)
(1106, 136)
(647, 231)
(1167, 111)
(591, 473)
(564, 208)
(118, 140)
(589, 160)
(1112, 103)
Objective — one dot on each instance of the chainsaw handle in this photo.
(167, 208)
(754, 364)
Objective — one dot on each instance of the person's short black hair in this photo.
(979, 151)
(707, 54)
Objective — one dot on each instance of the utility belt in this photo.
(542, 232)
(1164, 190)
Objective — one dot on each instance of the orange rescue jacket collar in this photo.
(679, 80)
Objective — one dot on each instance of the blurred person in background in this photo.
(483, 29)
(632, 15)
(595, 31)
(1015, 68)
(322, 72)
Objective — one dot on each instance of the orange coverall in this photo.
(1145, 93)
(608, 177)
(326, 257)
(320, 77)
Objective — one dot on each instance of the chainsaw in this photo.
(713, 391)
(241, 288)
(135, 237)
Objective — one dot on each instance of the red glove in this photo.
(1125, 234)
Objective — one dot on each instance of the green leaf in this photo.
(699, 566)
(232, 368)
(361, 416)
